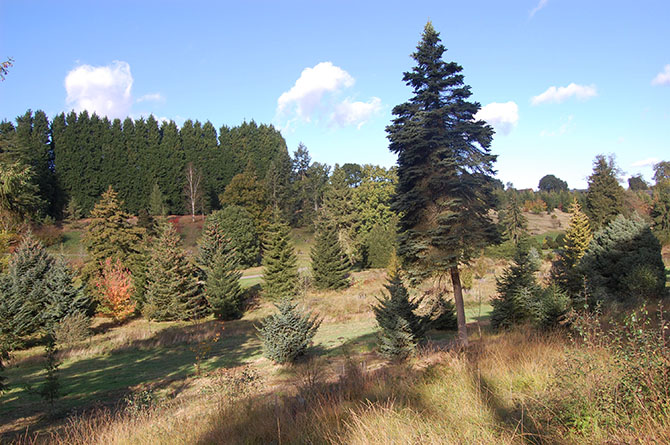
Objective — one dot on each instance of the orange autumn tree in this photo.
(114, 289)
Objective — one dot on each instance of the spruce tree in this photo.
(287, 334)
(515, 224)
(157, 202)
(518, 289)
(111, 235)
(330, 267)
(339, 209)
(236, 224)
(218, 266)
(624, 262)
(604, 197)
(280, 263)
(173, 291)
(577, 238)
(401, 329)
(445, 168)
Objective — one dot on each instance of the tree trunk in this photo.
(460, 306)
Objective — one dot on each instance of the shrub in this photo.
(72, 329)
(287, 334)
(441, 314)
(114, 290)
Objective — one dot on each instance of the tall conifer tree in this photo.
(330, 267)
(604, 197)
(280, 264)
(445, 186)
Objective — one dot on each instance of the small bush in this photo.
(72, 328)
(287, 334)
(114, 289)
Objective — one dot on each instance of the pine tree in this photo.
(330, 268)
(218, 266)
(577, 238)
(173, 291)
(518, 289)
(222, 286)
(401, 329)
(604, 197)
(37, 292)
(111, 235)
(287, 334)
(445, 184)
(157, 202)
(515, 224)
(624, 262)
(280, 263)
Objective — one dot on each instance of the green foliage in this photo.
(517, 289)
(280, 263)
(660, 212)
(173, 291)
(222, 286)
(37, 292)
(287, 334)
(637, 183)
(236, 224)
(604, 197)
(564, 271)
(550, 183)
(623, 262)
(246, 191)
(339, 210)
(441, 313)
(72, 212)
(380, 242)
(401, 329)
(330, 267)
(157, 205)
(19, 195)
(552, 307)
(514, 223)
(111, 235)
(50, 390)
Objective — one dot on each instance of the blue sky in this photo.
(560, 80)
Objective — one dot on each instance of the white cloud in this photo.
(502, 116)
(561, 94)
(662, 78)
(649, 162)
(306, 95)
(105, 90)
(355, 113)
(539, 6)
(153, 97)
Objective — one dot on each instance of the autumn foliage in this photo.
(114, 289)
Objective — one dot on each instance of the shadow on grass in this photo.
(167, 357)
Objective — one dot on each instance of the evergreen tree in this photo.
(445, 185)
(37, 292)
(518, 289)
(218, 264)
(660, 211)
(401, 329)
(280, 263)
(236, 224)
(514, 223)
(623, 262)
(286, 335)
(222, 286)
(111, 235)
(604, 197)
(339, 210)
(550, 183)
(246, 191)
(330, 268)
(173, 291)
(577, 238)
(157, 205)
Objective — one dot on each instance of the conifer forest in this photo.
(179, 283)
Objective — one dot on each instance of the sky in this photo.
(561, 81)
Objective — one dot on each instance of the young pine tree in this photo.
(280, 264)
(111, 235)
(173, 291)
(401, 329)
(518, 290)
(288, 333)
(577, 238)
(330, 266)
